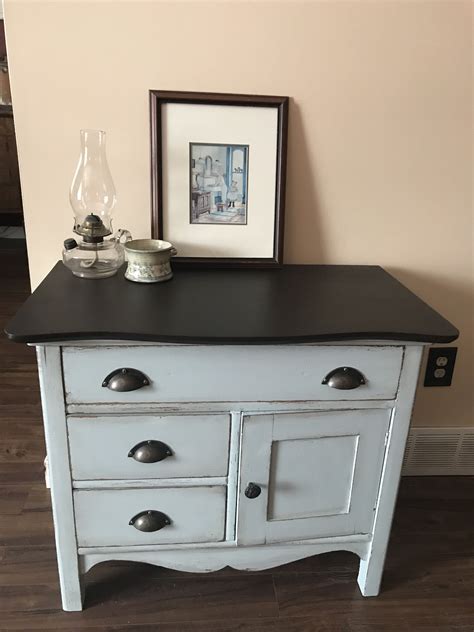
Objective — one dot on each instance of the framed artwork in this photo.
(218, 168)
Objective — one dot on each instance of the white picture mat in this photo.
(215, 124)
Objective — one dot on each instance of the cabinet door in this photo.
(319, 474)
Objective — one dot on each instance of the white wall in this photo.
(379, 139)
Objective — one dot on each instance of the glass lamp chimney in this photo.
(92, 194)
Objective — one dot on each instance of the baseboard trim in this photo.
(439, 452)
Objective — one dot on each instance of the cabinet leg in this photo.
(72, 592)
(55, 426)
(371, 568)
(370, 575)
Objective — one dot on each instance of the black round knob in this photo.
(253, 490)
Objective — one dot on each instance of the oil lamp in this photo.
(92, 197)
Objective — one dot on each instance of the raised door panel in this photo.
(311, 491)
(319, 474)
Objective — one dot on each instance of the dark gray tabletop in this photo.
(291, 304)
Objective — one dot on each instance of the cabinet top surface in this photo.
(297, 303)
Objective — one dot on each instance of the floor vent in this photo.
(439, 451)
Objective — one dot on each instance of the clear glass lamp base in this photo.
(100, 270)
(94, 275)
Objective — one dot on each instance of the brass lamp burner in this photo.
(92, 230)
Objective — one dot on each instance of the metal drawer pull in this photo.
(150, 520)
(344, 378)
(253, 490)
(150, 451)
(123, 380)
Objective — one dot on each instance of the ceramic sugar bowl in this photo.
(149, 260)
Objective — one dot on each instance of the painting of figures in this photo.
(218, 183)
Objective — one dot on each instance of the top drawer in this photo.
(182, 373)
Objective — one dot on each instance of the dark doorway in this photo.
(12, 234)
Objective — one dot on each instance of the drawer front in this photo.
(230, 373)
(118, 448)
(196, 515)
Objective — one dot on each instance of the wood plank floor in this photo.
(428, 582)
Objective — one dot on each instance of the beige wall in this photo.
(379, 139)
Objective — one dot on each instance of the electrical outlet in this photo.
(440, 366)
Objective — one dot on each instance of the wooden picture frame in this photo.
(259, 250)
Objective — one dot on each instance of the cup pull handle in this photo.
(344, 378)
(149, 521)
(150, 451)
(126, 379)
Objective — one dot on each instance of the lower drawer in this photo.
(196, 515)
